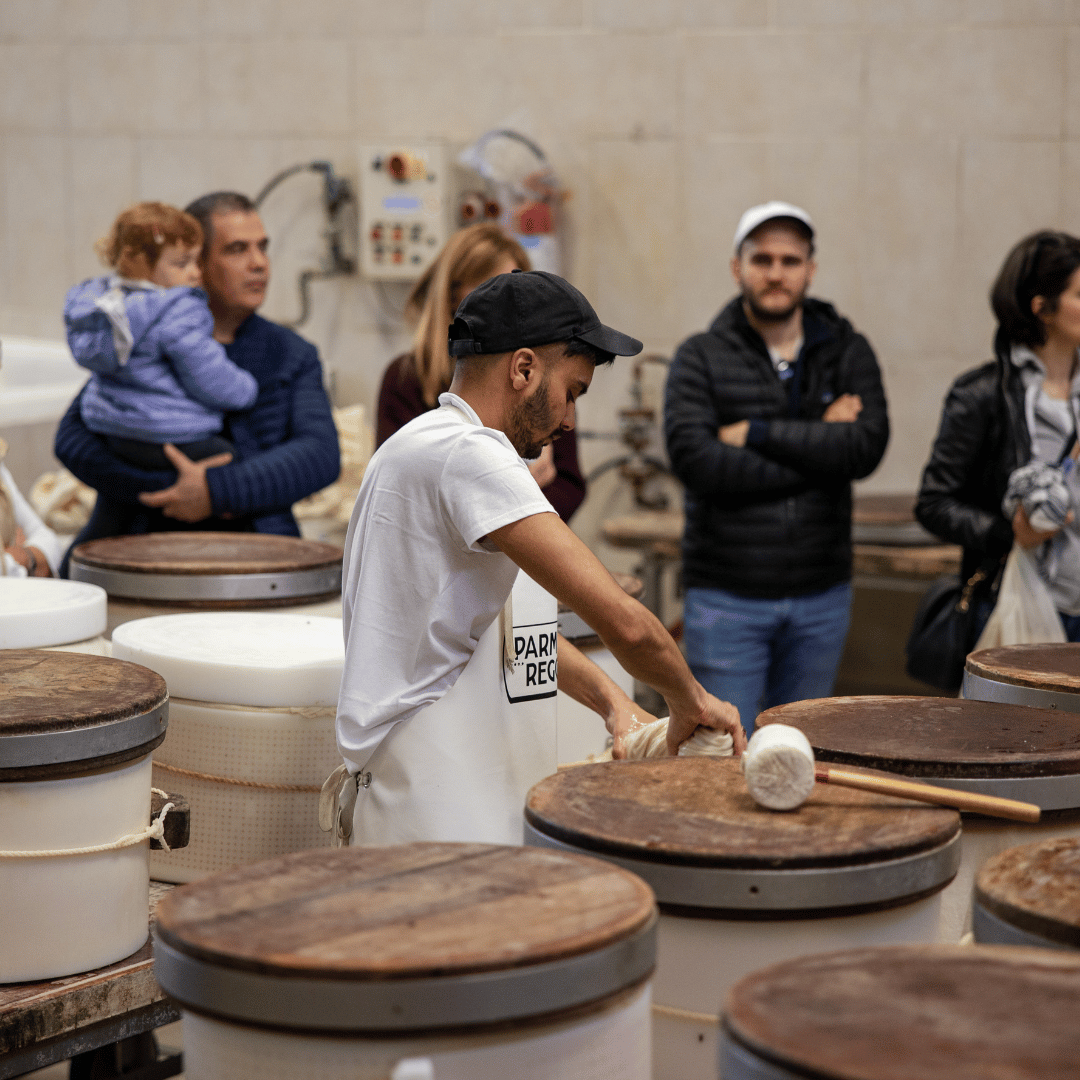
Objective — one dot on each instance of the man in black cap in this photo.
(449, 654)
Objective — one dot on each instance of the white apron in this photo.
(459, 769)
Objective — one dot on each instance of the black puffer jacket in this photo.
(773, 518)
(982, 438)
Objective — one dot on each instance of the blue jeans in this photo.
(1071, 623)
(761, 653)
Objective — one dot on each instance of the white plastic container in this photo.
(76, 733)
(43, 613)
(254, 698)
(489, 962)
(740, 886)
(165, 573)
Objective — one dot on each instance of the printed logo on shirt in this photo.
(535, 670)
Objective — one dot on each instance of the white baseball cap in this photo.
(758, 215)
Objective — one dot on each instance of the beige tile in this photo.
(909, 245)
(541, 14)
(462, 16)
(1008, 189)
(34, 199)
(172, 170)
(103, 182)
(91, 19)
(819, 12)
(32, 88)
(278, 87)
(584, 84)
(32, 20)
(242, 18)
(155, 88)
(634, 14)
(723, 13)
(719, 182)
(774, 84)
(637, 218)
(350, 18)
(1023, 12)
(965, 82)
(1072, 82)
(1070, 186)
(909, 12)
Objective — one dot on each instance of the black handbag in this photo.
(945, 629)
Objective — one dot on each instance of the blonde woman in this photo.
(413, 381)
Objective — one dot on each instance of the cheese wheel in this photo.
(779, 767)
(42, 612)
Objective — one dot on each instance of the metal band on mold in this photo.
(992, 929)
(804, 889)
(281, 585)
(82, 744)
(305, 1003)
(979, 688)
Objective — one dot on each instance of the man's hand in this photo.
(189, 498)
(1026, 536)
(624, 718)
(734, 434)
(32, 558)
(844, 410)
(543, 468)
(721, 715)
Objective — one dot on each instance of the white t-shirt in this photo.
(419, 586)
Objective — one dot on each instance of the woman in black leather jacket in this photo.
(1022, 406)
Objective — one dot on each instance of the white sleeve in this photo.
(485, 485)
(37, 533)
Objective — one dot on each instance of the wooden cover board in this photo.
(883, 509)
(935, 736)
(405, 912)
(697, 811)
(61, 691)
(207, 553)
(1036, 887)
(944, 1012)
(1046, 667)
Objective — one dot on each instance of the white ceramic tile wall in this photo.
(925, 136)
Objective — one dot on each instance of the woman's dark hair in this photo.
(1040, 265)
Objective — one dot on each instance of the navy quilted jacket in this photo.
(773, 518)
(172, 382)
(286, 444)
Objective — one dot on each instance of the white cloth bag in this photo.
(1025, 612)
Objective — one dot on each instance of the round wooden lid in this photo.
(941, 1012)
(1036, 887)
(57, 708)
(936, 737)
(206, 553)
(405, 912)
(1045, 667)
(697, 811)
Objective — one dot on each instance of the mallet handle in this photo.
(990, 805)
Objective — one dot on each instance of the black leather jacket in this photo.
(983, 437)
(771, 519)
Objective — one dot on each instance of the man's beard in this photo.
(770, 315)
(532, 423)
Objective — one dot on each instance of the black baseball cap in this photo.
(530, 307)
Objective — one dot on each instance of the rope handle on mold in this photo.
(154, 831)
(233, 780)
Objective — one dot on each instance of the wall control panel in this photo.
(404, 210)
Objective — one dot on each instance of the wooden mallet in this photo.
(780, 773)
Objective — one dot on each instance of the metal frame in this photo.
(739, 1063)
(352, 1006)
(280, 585)
(83, 744)
(991, 929)
(831, 888)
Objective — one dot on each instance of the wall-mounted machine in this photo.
(404, 210)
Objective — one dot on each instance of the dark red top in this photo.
(401, 400)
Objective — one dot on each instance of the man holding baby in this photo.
(280, 449)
